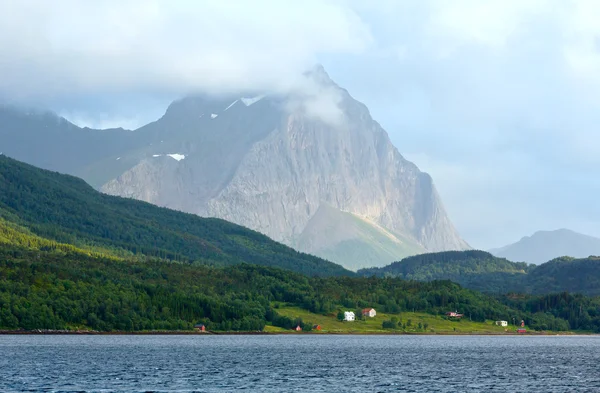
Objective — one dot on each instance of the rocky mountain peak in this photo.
(310, 168)
(319, 75)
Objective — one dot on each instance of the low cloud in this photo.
(103, 121)
(325, 106)
(53, 49)
(314, 95)
(499, 99)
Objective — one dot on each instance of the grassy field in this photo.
(429, 324)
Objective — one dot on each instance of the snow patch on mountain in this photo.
(232, 104)
(177, 156)
(250, 101)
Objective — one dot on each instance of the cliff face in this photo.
(273, 164)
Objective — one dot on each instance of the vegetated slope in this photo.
(54, 289)
(544, 246)
(65, 209)
(343, 236)
(565, 274)
(482, 271)
(473, 269)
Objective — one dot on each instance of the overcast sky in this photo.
(498, 100)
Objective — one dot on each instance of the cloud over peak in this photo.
(70, 46)
(498, 99)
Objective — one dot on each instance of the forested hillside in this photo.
(70, 290)
(72, 258)
(474, 269)
(484, 272)
(65, 209)
(565, 274)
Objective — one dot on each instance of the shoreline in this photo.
(292, 333)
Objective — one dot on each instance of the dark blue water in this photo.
(299, 363)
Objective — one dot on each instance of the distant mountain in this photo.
(53, 207)
(484, 272)
(543, 246)
(310, 169)
(48, 141)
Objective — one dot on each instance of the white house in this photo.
(369, 312)
(349, 316)
(502, 323)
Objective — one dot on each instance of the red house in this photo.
(521, 330)
(316, 327)
(298, 328)
(200, 327)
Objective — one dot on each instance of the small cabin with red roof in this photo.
(369, 312)
(316, 327)
(200, 327)
(298, 328)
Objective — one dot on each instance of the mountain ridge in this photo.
(484, 272)
(543, 246)
(65, 209)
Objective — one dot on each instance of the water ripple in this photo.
(159, 364)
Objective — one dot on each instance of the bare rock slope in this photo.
(311, 169)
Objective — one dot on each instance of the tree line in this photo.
(58, 289)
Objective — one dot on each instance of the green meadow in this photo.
(409, 323)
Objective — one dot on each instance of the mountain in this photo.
(309, 168)
(60, 209)
(73, 258)
(543, 246)
(473, 269)
(48, 141)
(481, 271)
(337, 235)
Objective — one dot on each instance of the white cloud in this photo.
(488, 22)
(498, 99)
(325, 106)
(102, 121)
(68, 46)
(316, 97)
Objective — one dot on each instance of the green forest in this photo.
(481, 271)
(65, 209)
(70, 290)
(72, 258)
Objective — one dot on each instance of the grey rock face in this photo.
(272, 164)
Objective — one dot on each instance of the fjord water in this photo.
(308, 363)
